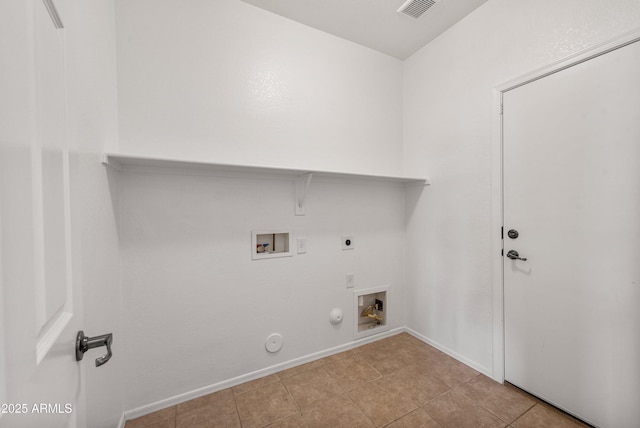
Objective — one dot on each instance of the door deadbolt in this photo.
(513, 234)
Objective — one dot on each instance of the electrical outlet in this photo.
(302, 245)
(348, 243)
(351, 280)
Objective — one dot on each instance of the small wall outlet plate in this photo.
(351, 280)
(347, 242)
(301, 245)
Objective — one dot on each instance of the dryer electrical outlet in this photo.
(348, 242)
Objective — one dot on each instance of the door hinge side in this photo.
(501, 108)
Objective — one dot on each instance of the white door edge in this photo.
(497, 215)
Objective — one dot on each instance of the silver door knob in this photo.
(513, 255)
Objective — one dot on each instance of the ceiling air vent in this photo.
(416, 8)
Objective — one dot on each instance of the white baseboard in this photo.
(219, 386)
(190, 395)
(122, 421)
(474, 365)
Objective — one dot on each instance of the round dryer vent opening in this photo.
(274, 342)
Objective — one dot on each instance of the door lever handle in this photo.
(84, 343)
(513, 255)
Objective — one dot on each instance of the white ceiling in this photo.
(373, 23)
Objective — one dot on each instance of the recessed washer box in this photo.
(371, 311)
(267, 244)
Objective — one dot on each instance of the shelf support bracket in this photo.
(302, 183)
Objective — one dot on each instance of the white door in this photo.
(39, 315)
(571, 144)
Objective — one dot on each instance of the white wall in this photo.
(92, 112)
(228, 82)
(448, 100)
(199, 309)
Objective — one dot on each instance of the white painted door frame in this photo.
(497, 220)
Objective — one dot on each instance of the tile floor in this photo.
(397, 382)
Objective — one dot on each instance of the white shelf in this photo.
(126, 163)
(301, 177)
